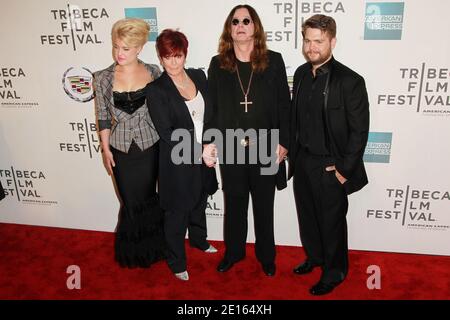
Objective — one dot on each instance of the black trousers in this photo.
(262, 190)
(322, 206)
(175, 225)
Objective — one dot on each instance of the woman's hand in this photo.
(108, 161)
(210, 155)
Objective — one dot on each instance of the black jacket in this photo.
(275, 91)
(180, 185)
(346, 107)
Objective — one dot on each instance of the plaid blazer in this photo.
(124, 127)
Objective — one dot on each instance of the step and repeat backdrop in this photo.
(50, 163)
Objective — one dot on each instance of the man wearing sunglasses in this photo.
(249, 91)
(329, 130)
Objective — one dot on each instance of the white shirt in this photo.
(196, 108)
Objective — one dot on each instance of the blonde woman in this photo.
(129, 145)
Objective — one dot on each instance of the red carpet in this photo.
(34, 260)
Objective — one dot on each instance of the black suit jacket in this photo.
(346, 107)
(180, 185)
(275, 96)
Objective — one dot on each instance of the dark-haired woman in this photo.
(179, 104)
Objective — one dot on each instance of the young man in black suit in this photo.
(329, 130)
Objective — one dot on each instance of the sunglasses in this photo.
(245, 22)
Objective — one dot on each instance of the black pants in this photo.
(262, 190)
(321, 208)
(175, 225)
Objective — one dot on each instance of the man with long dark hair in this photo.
(249, 91)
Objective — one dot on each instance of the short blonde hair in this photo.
(132, 31)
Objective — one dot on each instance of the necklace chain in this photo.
(184, 82)
(245, 103)
(245, 93)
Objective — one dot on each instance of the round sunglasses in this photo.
(245, 21)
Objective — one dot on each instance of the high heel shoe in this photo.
(211, 249)
(182, 275)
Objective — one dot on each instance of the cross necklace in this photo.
(245, 93)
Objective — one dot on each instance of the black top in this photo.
(129, 101)
(256, 115)
(272, 96)
(346, 108)
(269, 93)
(311, 119)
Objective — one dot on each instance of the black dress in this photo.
(139, 238)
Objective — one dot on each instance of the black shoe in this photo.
(321, 288)
(224, 265)
(269, 269)
(304, 268)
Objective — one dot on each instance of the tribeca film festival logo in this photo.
(378, 148)
(383, 21)
(147, 14)
(85, 136)
(77, 84)
(76, 26)
(412, 208)
(23, 185)
(426, 90)
(293, 13)
(9, 95)
(212, 208)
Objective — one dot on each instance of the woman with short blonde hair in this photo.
(130, 145)
(132, 31)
